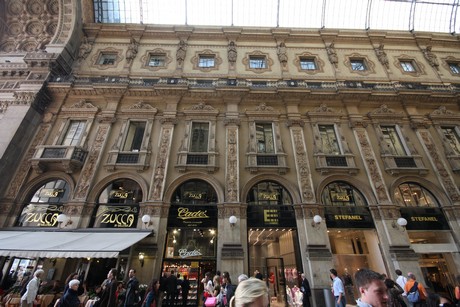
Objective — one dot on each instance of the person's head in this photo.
(132, 273)
(73, 284)
(411, 276)
(371, 287)
(226, 278)
(251, 292)
(112, 274)
(242, 277)
(39, 273)
(333, 273)
(389, 283)
(208, 275)
(172, 272)
(155, 285)
(216, 280)
(398, 272)
(302, 276)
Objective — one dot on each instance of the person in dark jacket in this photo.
(70, 298)
(306, 291)
(152, 296)
(108, 297)
(132, 290)
(185, 287)
(227, 289)
(171, 288)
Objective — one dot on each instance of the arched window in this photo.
(414, 195)
(342, 194)
(45, 204)
(194, 192)
(118, 205)
(268, 193)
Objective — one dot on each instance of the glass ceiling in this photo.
(404, 15)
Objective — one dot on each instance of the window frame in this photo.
(160, 56)
(206, 61)
(399, 138)
(337, 141)
(264, 134)
(354, 62)
(80, 130)
(456, 66)
(456, 136)
(107, 56)
(135, 136)
(305, 60)
(406, 63)
(192, 145)
(254, 59)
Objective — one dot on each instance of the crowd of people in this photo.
(172, 289)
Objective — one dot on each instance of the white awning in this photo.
(66, 244)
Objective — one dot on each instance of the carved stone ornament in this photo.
(443, 116)
(201, 108)
(323, 111)
(384, 112)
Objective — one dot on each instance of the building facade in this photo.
(232, 149)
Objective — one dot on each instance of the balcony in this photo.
(404, 165)
(136, 159)
(188, 160)
(257, 162)
(58, 157)
(335, 163)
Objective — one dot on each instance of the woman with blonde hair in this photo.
(251, 292)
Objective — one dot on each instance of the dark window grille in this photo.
(405, 162)
(54, 153)
(336, 161)
(128, 158)
(267, 160)
(79, 154)
(197, 159)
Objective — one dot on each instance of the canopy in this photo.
(66, 244)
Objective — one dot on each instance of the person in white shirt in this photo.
(401, 280)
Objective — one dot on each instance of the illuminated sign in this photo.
(184, 253)
(117, 216)
(51, 192)
(192, 216)
(271, 216)
(186, 214)
(340, 197)
(120, 194)
(267, 196)
(347, 217)
(424, 218)
(40, 215)
(194, 195)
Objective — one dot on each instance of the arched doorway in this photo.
(191, 241)
(273, 245)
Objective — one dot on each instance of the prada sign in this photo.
(348, 217)
(424, 219)
(192, 216)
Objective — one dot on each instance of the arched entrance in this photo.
(273, 244)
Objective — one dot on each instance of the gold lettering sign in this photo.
(121, 194)
(186, 214)
(51, 192)
(42, 218)
(424, 219)
(271, 216)
(341, 197)
(118, 216)
(268, 196)
(194, 195)
(346, 217)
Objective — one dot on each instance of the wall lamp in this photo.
(401, 222)
(147, 220)
(316, 221)
(141, 258)
(63, 220)
(232, 220)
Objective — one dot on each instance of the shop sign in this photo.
(267, 196)
(120, 194)
(424, 219)
(271, 216)
(192, 216)
(40, 215)
(184, 253)
(348, 217)
(51, 192)
(117, 216)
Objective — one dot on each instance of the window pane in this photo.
(134, 136)
(308, 64)
(357, 65)
(407, 66)
(264, 137)
(342, 194)
(257, 62)
(453, 138)
(74, 133)
(107, 59)
(392, 140)
(414, 195)
(329, 141)
(206, 61)
(268, 193)
(199, 140)
(157, 60)
(454, 68)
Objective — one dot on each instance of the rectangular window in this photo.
(107, 59)
(257, 62)
(199, 137)
(358, 64)
(206, 61)
(452, 136)
(393, 141)
(134, 137)
(329, 140)
(264, 138)
(407, 66)
(307, 64)
(157, 60)
(74, 133)
(454, 68)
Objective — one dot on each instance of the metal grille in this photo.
(336, 161)
(267, 160)
(197, 159)
(130, 158)
(54, 153)
(405, 162)
(79, 154)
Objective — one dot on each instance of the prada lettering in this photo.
(184, 253)
(346, 217)
(424, 219)
(186, 214)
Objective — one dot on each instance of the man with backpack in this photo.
(416, 293)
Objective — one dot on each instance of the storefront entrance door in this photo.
(276, 281)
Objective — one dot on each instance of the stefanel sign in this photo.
(424, 219)
(348, 217)
(192, 216)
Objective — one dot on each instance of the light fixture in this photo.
(141, 258)
(212, 240)
(63, 220)
(400, 223)
(147, 220)
(316, 221)
(232, 220)
(174, 240)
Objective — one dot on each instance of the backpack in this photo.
(413, 296)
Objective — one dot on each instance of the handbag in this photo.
(211, 301)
